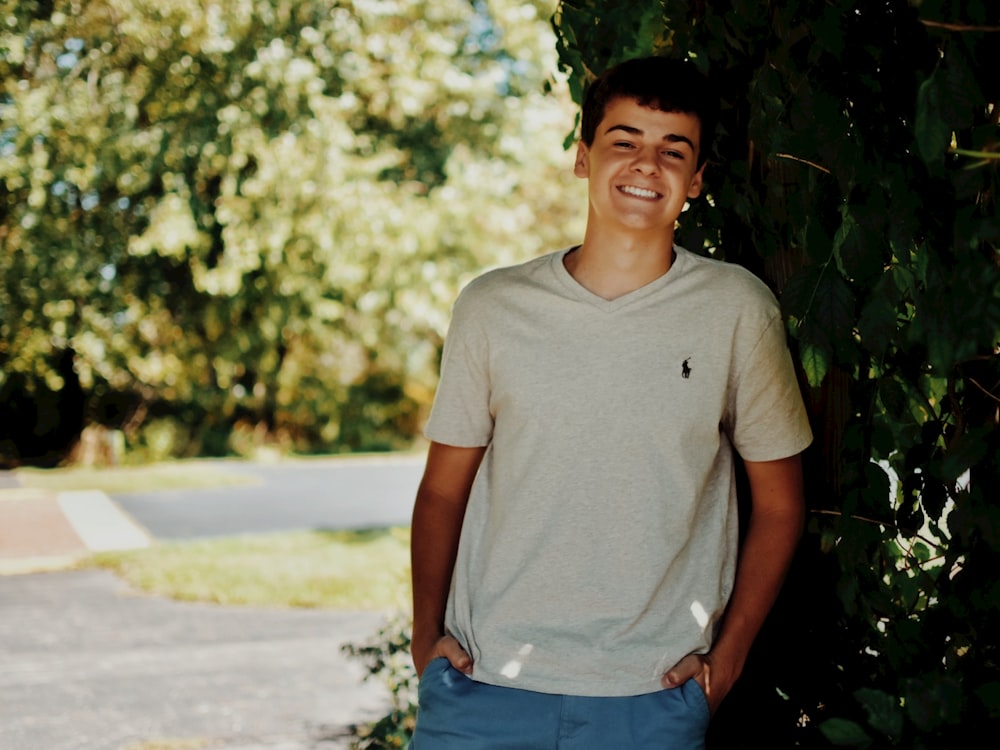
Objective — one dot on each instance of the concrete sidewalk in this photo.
(42, 530)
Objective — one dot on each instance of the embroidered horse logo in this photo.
(686, 368)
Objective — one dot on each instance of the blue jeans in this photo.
(458, 713)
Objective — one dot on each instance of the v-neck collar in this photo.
(580, 292)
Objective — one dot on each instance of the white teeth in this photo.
(638, 192)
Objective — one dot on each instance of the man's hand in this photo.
(447, 647)
(698, 667)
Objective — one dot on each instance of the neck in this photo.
(612, 265)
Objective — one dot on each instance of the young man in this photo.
(575, 574)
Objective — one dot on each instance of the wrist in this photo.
(424, 638)
(726, 664)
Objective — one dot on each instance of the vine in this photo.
(856, 172)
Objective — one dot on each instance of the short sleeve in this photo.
(461, 414)
(767, 417)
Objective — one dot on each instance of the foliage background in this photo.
(228, 224)
(232, 224)
(856, 172)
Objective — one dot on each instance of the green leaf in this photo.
(921, 551)
(876, 489)
(877, 323)
(932, 132)
(860, 253)
(962, 95)
(833, 310)
(815, 362)
(884, 711)
(883, 442)
(989, 694)
(965, 453)
(947, 101)
(648, 29)
(829, 30)
(933, 700)
(845, 733)
(847, 226)
(822, 303)
(894, 398)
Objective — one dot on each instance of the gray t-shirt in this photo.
(600, 539)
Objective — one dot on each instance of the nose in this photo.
(645, 161)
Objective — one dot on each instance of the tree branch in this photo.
(800, 160)
(959, 26)
(987, 393)
(877, 522)
(985, 155)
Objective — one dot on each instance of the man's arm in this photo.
(437, 523)
(775, 526)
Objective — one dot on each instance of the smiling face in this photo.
(642, 167)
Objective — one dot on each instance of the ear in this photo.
(694, 189)
(582, 166)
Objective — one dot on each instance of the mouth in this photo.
(638, 192)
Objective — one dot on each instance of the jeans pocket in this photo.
(431, 674)
(437, 664)
(695, 697)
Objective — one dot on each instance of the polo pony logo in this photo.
(686, 368)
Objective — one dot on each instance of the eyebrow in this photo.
(669, 137)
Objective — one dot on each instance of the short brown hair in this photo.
(666, 84)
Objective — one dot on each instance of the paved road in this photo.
(86, 664)
(340, 493)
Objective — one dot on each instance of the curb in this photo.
(100, 523)
(44, 531)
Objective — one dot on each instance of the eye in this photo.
(673, 154)
(623, 144)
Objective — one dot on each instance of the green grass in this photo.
(122, 479)
(171, 744)
(358, 570)
(330, 569)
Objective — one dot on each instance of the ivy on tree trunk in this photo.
(856, 172)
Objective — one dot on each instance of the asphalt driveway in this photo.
(88, 664)
(332, 493)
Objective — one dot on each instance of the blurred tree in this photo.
(228, 222)
(856, 172)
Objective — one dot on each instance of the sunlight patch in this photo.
(513, 668)
(700, 615)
